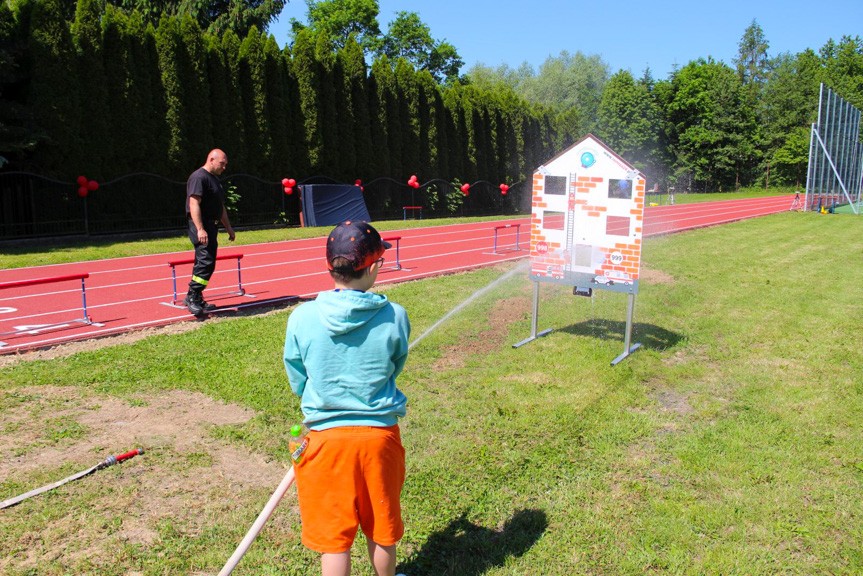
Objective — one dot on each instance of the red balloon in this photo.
(358, 182)
(82, 191)
(92, 185)
(466, 193)
(362, 189)
(289, 190)
(413, 178)
(415, 184)
(285, 182)
(465, 187)
(291, 182)
(503, 192)
(82, 180)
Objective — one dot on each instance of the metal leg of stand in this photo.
(533, 322)
(627, 337)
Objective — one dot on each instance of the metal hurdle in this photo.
(21, 283)
(239, 292)
(398, 264)
(406, 208)
(517, 232)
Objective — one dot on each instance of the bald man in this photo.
(205, 208)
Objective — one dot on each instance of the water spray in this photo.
(520, 268)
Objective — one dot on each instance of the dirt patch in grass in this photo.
(503, 313)
(185, 477)
(651, 276)
(673, 402)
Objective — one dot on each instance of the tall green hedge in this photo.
(106, 95)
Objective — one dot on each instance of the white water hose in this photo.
(289, 477)
(259, 523)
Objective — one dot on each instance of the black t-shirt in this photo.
(209, 188)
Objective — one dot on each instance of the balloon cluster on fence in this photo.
(86, 186)
(289, 184)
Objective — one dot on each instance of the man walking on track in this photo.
(205, 208)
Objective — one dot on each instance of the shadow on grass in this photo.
(465, 549)
(649, 335)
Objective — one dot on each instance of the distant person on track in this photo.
(205, 208)
(343, 352)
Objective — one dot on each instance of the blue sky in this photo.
(627, 34)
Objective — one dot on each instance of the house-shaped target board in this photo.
(587, 219)
(586, 225)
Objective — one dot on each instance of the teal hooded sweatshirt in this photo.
(343, 352)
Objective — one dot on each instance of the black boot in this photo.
(206, 305)
(193, 303)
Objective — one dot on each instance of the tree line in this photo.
(709, 126)
(110, 93)
(110, 88)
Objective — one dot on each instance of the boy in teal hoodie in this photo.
(343, 352)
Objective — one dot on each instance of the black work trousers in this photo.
(205, 256)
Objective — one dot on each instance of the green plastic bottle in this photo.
(298, 442)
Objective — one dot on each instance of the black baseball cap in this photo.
(357, 242)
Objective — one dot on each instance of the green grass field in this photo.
(730, 443)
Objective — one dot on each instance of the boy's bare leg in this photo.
(383, 558)
(336, 564)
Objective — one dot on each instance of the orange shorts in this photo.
(348, 477)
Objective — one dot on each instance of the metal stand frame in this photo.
(533, 333)
(627, 337)
(628, 348)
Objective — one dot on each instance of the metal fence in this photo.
(835, 155)
(34, 206)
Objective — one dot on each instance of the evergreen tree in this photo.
(238, 16)
(197, 92)
(308, 82)
(235, 121)
(298, 156)
(330, 83)
(407, 96)
(182, 63)
(428, 124)
(149, 97)
(120, 89)
(752, 61)
(456, 131)
(384, 137)
(356, 149)
(277, 104)
(99, 144)
(439, 134)
(17, 139)
(53, 93)
(217, 79)
(253, 86)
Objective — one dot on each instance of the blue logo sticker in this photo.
(587, 160)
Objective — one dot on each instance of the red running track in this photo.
(124, 294)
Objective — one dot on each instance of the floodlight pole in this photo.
(627, 337)
(533, 322)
